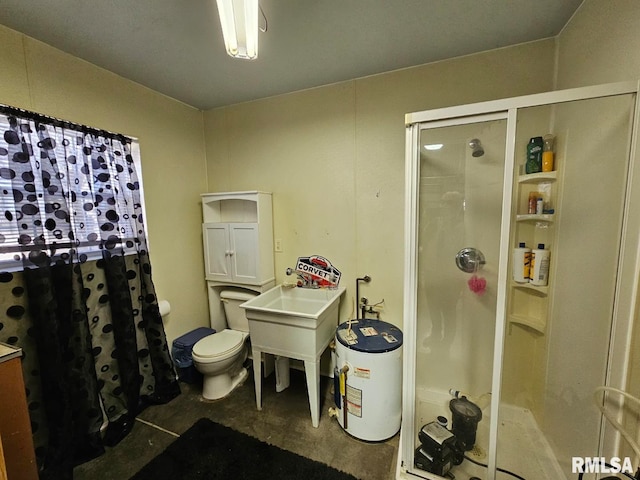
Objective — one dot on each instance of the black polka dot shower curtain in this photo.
(76, 292)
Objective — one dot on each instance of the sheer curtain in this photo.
(75, 280)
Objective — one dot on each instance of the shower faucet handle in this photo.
(469, 259)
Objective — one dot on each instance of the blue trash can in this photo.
(181, 353)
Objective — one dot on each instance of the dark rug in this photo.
(212, 451)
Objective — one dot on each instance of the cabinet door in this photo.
(217, 251)
(243, 239)
(15, 426)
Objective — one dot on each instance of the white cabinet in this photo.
(231, 252)
(238, 239)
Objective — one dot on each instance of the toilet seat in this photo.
(219, 345)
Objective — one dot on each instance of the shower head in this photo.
(476, 147)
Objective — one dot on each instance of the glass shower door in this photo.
(459, 213)
(558, 340)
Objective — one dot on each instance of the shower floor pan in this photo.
(522, 447)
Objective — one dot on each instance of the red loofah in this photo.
(477, 284)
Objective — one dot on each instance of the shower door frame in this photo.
(628, 265)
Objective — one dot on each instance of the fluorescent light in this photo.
(239, 20)
(434, 146)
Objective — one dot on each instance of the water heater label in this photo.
(389, 338)
(349, 336)
(362, 372)
(369, 331)
(354, 401)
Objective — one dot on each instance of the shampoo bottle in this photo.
(534, 155)
(521, 263)
(547, 153)
(539, 266)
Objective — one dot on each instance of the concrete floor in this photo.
(285, 421)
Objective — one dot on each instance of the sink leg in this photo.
(312, 372)
(257, 376)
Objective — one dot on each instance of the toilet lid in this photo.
(219, 344)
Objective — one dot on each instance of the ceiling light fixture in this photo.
(239, 20)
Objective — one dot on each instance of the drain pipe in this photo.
(366, 279)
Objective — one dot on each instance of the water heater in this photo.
(368, 378)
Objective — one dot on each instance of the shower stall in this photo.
(527, 357)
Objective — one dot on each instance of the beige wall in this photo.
(38, 77)
(333, 157)
(600, 44)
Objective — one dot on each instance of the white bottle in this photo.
(539, 266)
(521, 263)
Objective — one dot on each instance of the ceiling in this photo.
(175, 46)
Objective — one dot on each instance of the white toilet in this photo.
(219, 357)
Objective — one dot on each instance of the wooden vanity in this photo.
(17, 456)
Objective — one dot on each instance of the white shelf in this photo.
(534, 323)
(532, 217)
(538, 177)
(529, 303)
(542, 290)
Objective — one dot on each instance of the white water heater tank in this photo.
(369, 352)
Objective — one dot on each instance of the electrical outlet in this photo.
(278, 245)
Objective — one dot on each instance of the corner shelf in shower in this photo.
(529, 306)
(536, 324)
(538, 177)
(541, 178)
(542, 290)
(529, 303)
(533, 217)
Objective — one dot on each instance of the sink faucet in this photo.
(303, 281)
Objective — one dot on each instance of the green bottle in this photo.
(534, 155)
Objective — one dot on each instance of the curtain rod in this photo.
(56, 122)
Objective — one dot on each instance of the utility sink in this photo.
(293, 322)
(294, 302)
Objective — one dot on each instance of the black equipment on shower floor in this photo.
(441, 449)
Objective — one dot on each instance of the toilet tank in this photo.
(236, 317)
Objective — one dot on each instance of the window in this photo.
(65, 190)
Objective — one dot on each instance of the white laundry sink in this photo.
(287, 304)
(294, 323)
